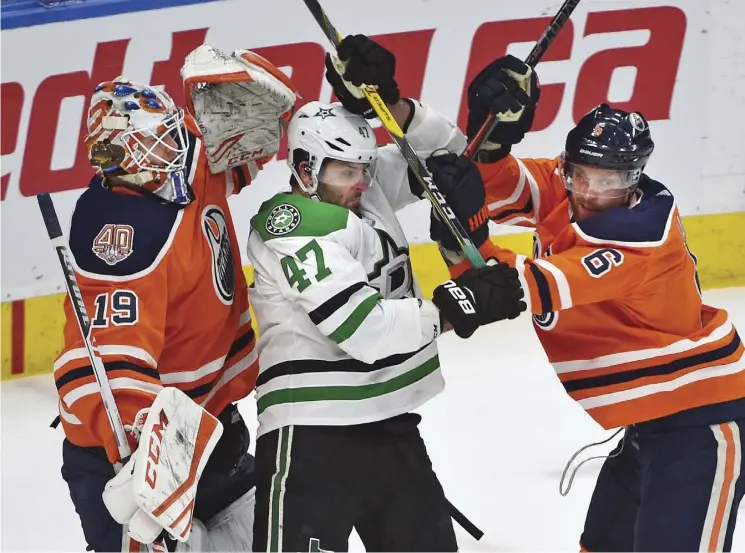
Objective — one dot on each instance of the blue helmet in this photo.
(610, 138)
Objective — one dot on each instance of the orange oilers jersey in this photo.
(615, 299)
(167, 299)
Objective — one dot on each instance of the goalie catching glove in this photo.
(240, 102)
(479, 297)
(156, 488)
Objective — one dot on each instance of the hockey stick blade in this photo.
(548, 36)
(54, 230)
(464, 523)
(431, 192)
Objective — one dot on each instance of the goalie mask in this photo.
(318, 132)
(137, 134)
(241, 104)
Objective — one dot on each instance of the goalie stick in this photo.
(432, 193)
(548, 36)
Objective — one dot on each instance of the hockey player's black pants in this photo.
(227, 476)
(673, 490)
(315, 483)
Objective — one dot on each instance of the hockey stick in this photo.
(84, 324)
(432, 193)
(548, 36)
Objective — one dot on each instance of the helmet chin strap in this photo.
(143, 177)
(311, 191)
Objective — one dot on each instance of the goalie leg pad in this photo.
(230, 530)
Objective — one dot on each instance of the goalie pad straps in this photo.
(241, 103)
(156, 489)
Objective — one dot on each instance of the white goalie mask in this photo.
(137, 134)
(328, 131)
(241, 103)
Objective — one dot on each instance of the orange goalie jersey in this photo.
(167, 299)
(616, 302)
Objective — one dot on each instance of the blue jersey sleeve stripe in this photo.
(669, 368)
(544, 291)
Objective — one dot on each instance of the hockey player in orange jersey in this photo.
(617, 307)
(159, 267)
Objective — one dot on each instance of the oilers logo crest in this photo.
(215, 228)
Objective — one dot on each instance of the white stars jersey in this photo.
(341, 339)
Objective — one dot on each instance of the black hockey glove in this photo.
(367, 62)
(510, 89)
(479, 297)
(460, 182)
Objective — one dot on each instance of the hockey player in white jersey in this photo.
(347, 346)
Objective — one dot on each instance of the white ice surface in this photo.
(498, 437)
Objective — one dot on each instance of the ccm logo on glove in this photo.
(153, 456)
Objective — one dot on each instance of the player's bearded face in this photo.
(593, 189)
(342, 183)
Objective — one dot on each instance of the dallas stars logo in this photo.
(323, 113)
(282, 219)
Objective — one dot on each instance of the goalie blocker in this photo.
(188, 464)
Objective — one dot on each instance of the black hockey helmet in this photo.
(610, 138)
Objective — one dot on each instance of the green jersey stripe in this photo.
(276, 493)
(355, 319)
(347, 393)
